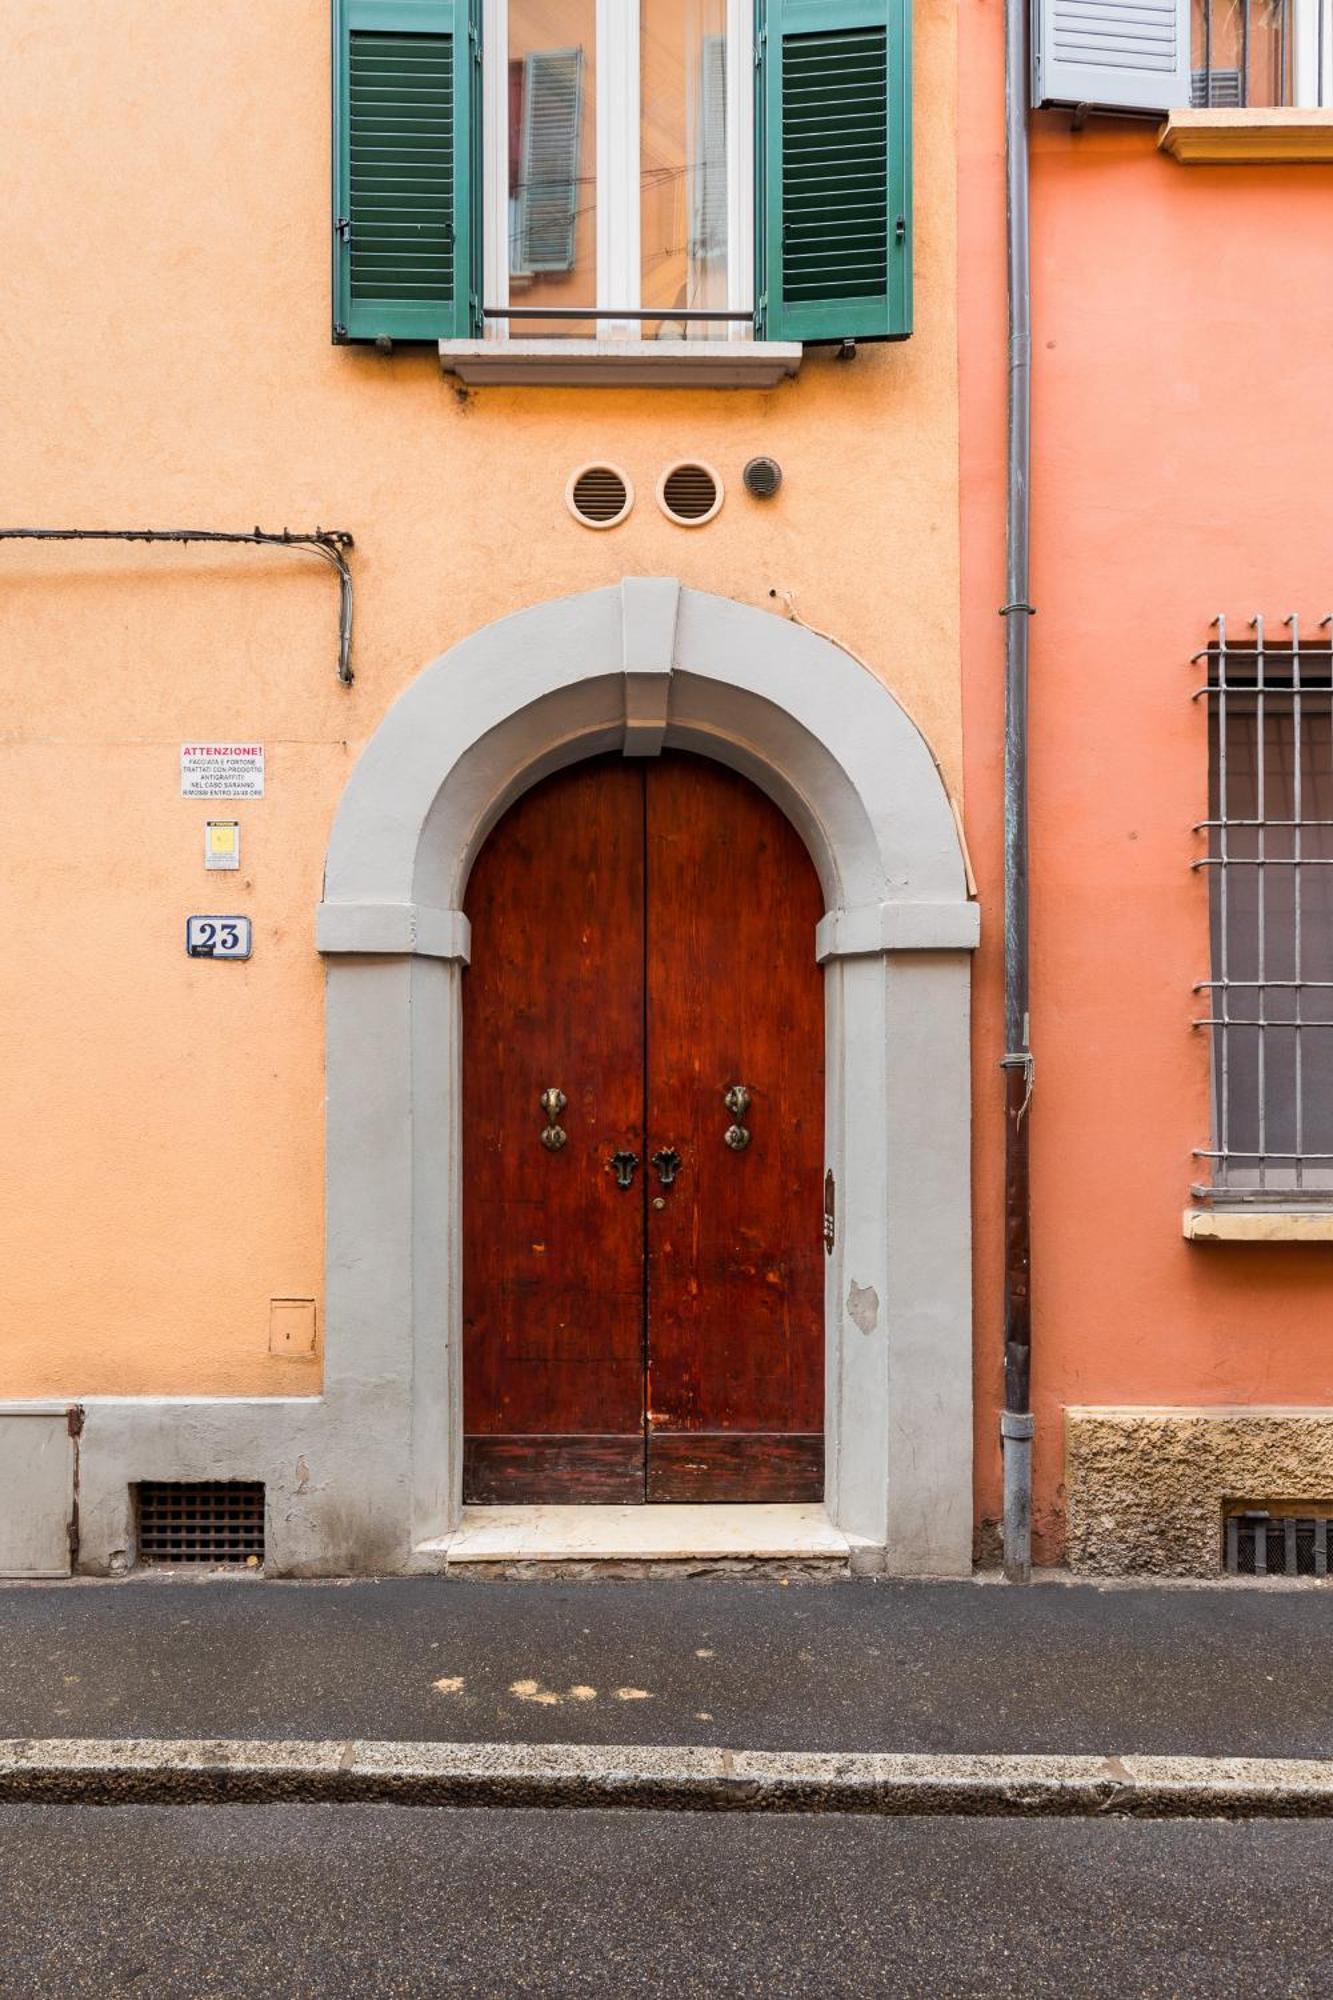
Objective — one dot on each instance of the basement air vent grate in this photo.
(1261, 1543)
(200, 1521)
(690, 494)
(599, 495)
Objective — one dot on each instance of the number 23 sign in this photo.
(217, 937)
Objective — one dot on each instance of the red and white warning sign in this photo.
(222, 770)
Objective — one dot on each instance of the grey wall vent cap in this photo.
(200, 1521)
(599, 495)
(689, 493)
(762, 477)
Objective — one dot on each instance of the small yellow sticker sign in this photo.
(222, 843)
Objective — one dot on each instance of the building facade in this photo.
(605, 1114)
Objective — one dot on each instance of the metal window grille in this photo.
(1262, 52)
(1269, 834)
(1258, 1542)
(200, 1521)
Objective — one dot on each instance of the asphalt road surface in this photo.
(745, 1664)
(338, 1901)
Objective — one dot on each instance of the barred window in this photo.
(1262, 52)
(1270, 861)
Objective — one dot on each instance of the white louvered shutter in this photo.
(708, 232)
(1124, 55)
(549, 163)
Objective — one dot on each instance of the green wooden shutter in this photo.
(834, 170)
(406, 98)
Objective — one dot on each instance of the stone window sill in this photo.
(1258, 1225)
(1250, 138)
(623, 364)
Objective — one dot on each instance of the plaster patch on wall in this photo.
(1146, 1488)
(863, 1307)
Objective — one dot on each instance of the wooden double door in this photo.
(643, 1103)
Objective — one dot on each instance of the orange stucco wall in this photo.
(167, 361)
(1183, 319)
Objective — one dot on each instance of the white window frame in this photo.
(1312, 69)
(618, 197)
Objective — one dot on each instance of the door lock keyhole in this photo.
(622, 1166)
(668, 1163)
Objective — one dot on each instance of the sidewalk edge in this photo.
(151, 1771)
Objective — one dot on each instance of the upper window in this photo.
(629, 134)
(1262, 52)
(1270, 863)
(661, 169)
(1158, 56)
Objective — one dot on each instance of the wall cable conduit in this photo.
(329, 544)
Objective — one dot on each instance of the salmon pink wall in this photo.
(1183, 323)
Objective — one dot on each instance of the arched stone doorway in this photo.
(632, 669)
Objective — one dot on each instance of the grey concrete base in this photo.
(678, 1777)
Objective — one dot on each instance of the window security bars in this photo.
(1269, 833)
(1262, 53)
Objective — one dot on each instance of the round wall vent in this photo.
(762, 477)
(599, 495)
(689, 493)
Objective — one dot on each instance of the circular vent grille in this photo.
(762, 477)
(599, 495)
(690, 493)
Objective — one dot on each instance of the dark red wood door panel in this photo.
(735, 1257)
(553, 1248)
(643, 939)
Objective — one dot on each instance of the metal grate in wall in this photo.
(200, 1521)
(1261, 1543)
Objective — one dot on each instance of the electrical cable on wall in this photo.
(329, 544)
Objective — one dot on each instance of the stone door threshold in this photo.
(640, 1535)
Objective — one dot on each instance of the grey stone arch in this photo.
(636, 667)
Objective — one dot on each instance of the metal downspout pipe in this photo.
(1016, 1423)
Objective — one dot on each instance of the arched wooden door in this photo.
(642, 1279)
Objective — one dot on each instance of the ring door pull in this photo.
(668, 1163)
(737, 1100)
(622, 1166)
(553, 1136)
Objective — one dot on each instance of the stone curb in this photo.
(149, 1771)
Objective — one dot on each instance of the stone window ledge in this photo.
(1250, 138)
(624, 364)
(1258, 1225)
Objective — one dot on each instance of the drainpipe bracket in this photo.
(1017, 1424)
